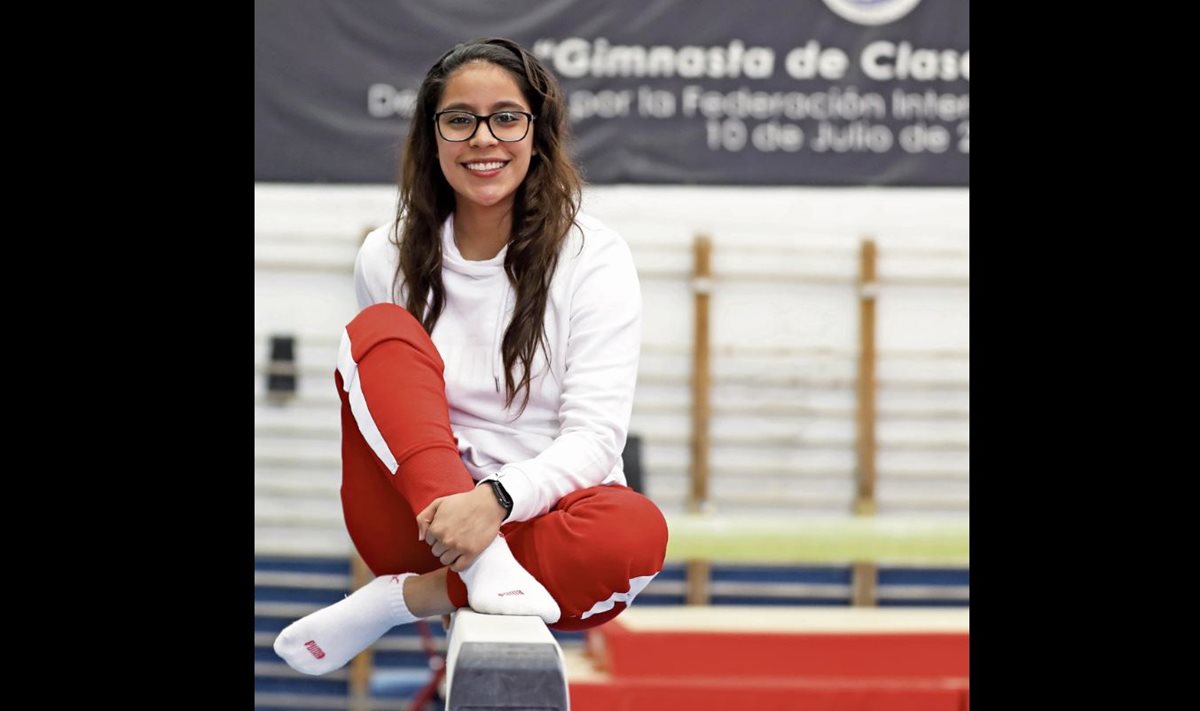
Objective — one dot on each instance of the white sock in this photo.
(498, 585)
(332, 636)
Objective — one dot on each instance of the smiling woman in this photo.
(487, 383)
(483, 168)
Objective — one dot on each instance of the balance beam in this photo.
(503, 662)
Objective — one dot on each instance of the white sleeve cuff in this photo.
(520, 489)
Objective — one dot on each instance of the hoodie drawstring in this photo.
(499, 334)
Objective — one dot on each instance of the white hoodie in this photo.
(571, 434)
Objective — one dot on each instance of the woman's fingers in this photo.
(425, 518)
(463, 563)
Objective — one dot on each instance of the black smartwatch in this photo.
(503, 497)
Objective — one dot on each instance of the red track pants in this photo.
(594, 551)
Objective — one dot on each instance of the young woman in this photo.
(488, 381)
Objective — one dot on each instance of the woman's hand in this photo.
(460, 526)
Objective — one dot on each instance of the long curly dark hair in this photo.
(544, 207)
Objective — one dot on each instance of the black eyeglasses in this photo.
(508, 126)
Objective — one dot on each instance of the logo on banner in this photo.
(872, 12)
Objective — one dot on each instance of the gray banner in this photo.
(806, 92)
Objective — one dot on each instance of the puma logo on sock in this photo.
(510, 592)
(311, 646)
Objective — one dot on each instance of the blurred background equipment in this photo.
(281, 370)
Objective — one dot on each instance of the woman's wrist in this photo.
(484, 490)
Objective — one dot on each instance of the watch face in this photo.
(502, 495)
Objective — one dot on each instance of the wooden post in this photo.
(701, 377)
(698, 571)
(864, 578)
(359, 686)
(864, 502)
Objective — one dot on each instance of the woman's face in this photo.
(483, 170)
